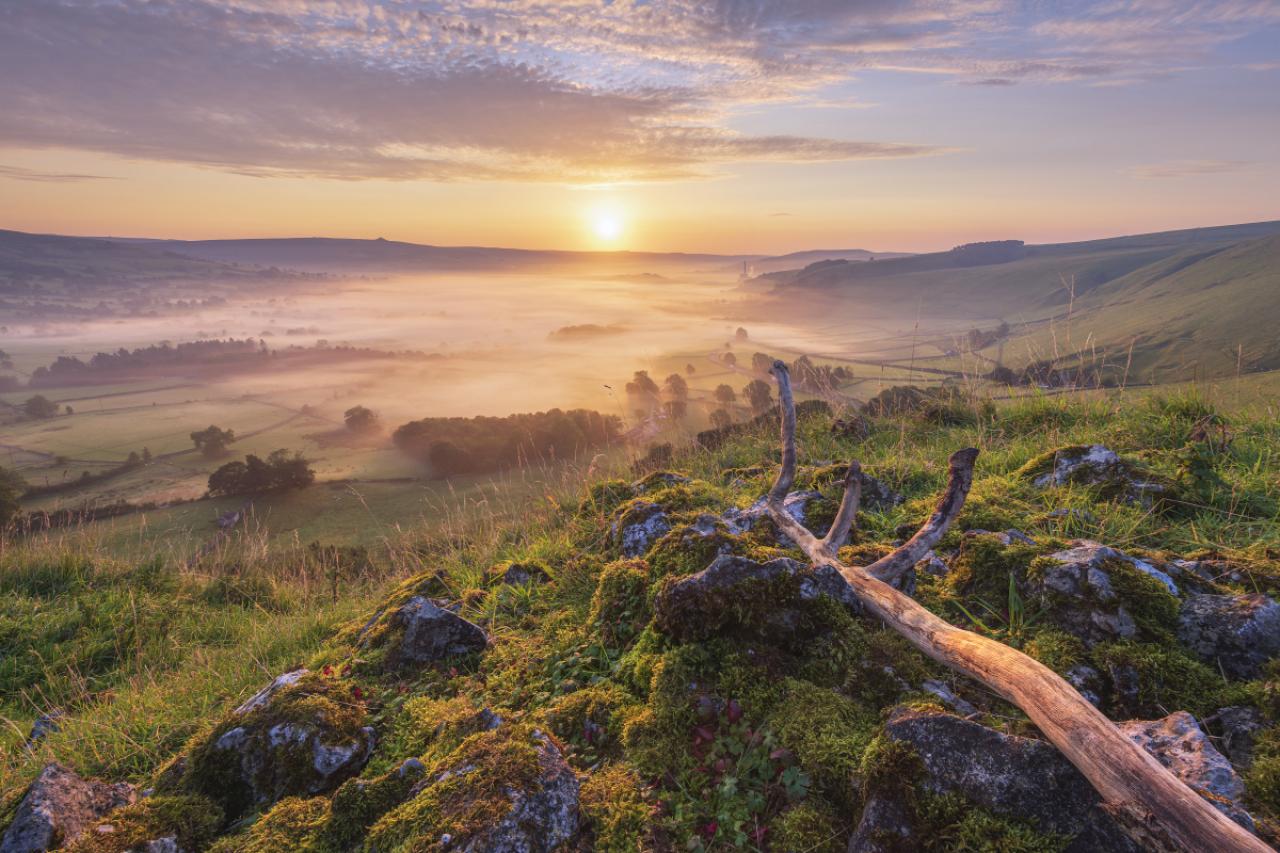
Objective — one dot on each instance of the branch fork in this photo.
(1149, 802)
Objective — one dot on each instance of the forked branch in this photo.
(1153, 806)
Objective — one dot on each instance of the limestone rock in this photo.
(431, 631)
(1238, 633)
(58, 807)
(1178, 742)
(1097, 465)
(1011, 776)
(1077, 585)
(853, 427)
(738, 592)
(301, 735)
(542, 818)
(642, 524)
(1240, 725)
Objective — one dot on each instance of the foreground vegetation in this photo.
(719, 734)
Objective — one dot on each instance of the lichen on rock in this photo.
(303, 735)
(58, 807)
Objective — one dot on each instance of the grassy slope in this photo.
(1202, 311)
(134, 695)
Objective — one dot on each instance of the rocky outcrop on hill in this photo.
(1014, 777)
(59, 807)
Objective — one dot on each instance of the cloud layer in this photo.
(528, 90)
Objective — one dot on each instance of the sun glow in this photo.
(608, 227)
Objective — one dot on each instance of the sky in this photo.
(722, 126)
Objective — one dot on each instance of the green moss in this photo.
(615, 809)
(590, 721)
(980, 572)
(1046, 462)
(1056, 649)
(1167, 678)
(294, 825)
(951, 823)
(810, 826)
(313, 703)
(192, 821)
(685, 498)
(472, 792)
(360, 803)
(429, 728)
(890, 766)
(1153, 608)
(604, 497)
(828, 734)
(620, 605)
(684, 550)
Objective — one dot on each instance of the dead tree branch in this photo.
(1153, 806)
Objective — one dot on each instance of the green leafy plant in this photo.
(1012, 625)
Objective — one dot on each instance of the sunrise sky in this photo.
(714, 126)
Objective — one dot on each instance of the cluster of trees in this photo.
(250, 352)
(484, 444)
(254, 476)
(982, 338)
(672, 396)
(818, 378)
(213, 441)
(69, 368)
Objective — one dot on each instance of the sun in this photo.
(608, 228)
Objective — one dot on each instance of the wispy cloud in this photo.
(1189, 168)
(17, 173)
(534, 90)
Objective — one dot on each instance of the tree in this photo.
(676, 387)
(213, 441)
(146, 456)
(642, 385)
(731, 359)
(741, 334)
(39, 407)
(254, 476)
(724, 394)
(69, 410)
(721, 419)
(759, 395)
(676, 409)
(11, 488)
(761, 363)
(689, 369)
(360, 419)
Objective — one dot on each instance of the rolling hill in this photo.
(1200, 302)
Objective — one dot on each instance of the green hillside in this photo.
(772, 721)
(1201, 312)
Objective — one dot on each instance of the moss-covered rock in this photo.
(590, 721)
(620, 605)
(1104, 471)
(776, 600)
(303, 735)
(1099, 594)
(506, 789)
(175, 822)
(421, 631)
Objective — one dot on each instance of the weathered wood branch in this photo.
(848, 511)
(1153, 806)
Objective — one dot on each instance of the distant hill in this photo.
(1004, 279)
(339, 255)
(27, 259)
(794, 260)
